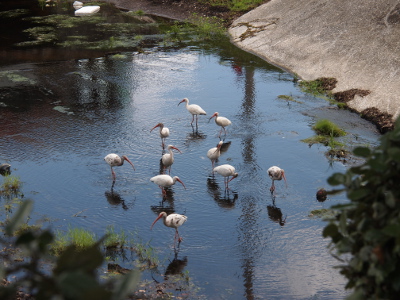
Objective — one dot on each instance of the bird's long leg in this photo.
(113, 173)
(272, 189)
(192, 120)
(179, 237)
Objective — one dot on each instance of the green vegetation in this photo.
(11, 187)
(288, 98)
(323, 213)
(73, 276)
(235, 5)
(80, 238)
(328, 128)
(365, 233)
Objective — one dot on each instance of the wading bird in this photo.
(221, 121)
(214, 153)
(168, 158)
(164, 133)
(114, 160)
(164, 181)
(194, 109)
(172, 221)
(276, 173)
(226, 171)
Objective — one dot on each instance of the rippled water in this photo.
(241, 244)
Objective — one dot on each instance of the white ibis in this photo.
(168, 158)
(221, 121)
(276, 173)
(114, 160)
(172, 221)
(164, 133)
(214, 153)
(164, 181)
(226, 171)
(194, 109)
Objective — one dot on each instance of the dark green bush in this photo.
(366, 232)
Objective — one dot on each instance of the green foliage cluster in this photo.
(367, 229)
(328, 128)
(74, 275)
(235, 5)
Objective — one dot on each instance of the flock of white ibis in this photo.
(165, 181)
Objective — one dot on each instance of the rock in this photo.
(87, 10)
(77, 5)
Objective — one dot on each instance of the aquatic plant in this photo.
(11, 187)
(288, 98)
(328, 128)
(78, 237)
(114, 239)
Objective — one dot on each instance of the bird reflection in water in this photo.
(227, 199)
(275, 213)
(115, 198)
(176, 266)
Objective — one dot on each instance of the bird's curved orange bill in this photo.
(158, 218)
(127, 159)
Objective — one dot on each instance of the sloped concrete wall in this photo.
(357, 42)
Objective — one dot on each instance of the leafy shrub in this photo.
(366, 231)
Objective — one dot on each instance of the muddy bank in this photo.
(355, 42)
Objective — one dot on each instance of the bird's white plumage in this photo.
(221, 121)
(114, 160)
(276, 173)
(214, 153)
(172, 221)
(164, 132)
(168, 158)
(225, 170)
(165, 180)
(194, 109)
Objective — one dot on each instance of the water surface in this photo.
(244, 243)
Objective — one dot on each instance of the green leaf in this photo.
(392, 230)
(362, 151)
(358, 194)
(330, 230)
(336, 179)
(19, 217)
(126, 285)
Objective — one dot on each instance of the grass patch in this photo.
(327, 128)
(234, 5)
(208, 27)
(11, 187)
(113, 239)
(80, 238)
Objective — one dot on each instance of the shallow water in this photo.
(238, 244)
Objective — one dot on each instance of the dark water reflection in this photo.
(238, 244)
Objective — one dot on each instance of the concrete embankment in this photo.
(356, 42)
